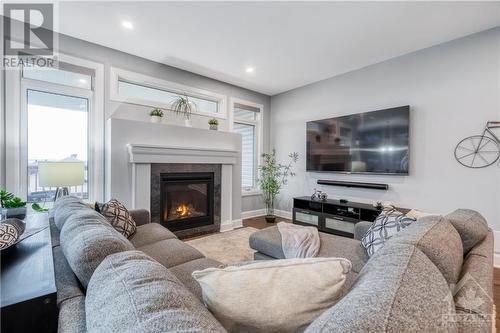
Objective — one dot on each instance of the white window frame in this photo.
(17, 126)
(259, 138)
(118, 74)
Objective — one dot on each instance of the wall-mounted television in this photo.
(371, 142)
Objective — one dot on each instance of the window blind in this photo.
(247, 153)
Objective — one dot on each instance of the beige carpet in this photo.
(226, 247)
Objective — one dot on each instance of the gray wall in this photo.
(452, 88)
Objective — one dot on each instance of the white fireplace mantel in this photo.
(132, 146)
(143, 155)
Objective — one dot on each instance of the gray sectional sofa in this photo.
(107, 283)
(153, 261)
(435, 275)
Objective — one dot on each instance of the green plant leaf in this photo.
(37, 208)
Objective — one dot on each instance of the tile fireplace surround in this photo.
(136, 151)
(163, 168)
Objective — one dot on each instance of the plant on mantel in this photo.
(182, 105)
(156, 115)
(272, 177)
(214, 123)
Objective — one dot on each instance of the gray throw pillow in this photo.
(118, 216)
(387, 224)
(471, 226)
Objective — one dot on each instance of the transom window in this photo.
(135, 88)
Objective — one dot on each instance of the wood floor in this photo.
(260, 223)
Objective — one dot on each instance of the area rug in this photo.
(226, 247)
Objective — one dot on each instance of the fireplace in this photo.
(186, 200)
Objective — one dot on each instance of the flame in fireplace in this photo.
(182, 210)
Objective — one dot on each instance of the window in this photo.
(134, 88)
(57, 104)
(62, 143)
(247, 122)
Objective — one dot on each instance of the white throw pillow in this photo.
(417, 214)
(273, 296)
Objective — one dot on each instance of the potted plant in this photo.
(12, 206)
(214, 123)
(156, 115)
(272, 177)
(183, 106)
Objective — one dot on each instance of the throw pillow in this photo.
(119, 217)
(416, 214)
(388, 223)
(278, 295)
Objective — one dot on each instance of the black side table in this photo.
(28, 287)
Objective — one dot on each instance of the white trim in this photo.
(259, 124)
(238, 223)
(117, 73)
(253, 213)
(283, 213)
(496, 247)
(16, 125)
(248, 192)
(262, 212)
(228, 226)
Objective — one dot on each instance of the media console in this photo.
(332, 216)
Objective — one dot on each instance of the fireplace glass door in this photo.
(187, 199)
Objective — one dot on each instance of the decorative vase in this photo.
(187, 122)
(18, 213)
(213, 127)
(156, 119)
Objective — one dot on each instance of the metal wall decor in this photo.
(479, 151)
(319, 195)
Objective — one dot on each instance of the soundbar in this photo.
(372, 186)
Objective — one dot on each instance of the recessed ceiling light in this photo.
(249, 70)
(127, 25)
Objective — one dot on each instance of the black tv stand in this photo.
(332, 216)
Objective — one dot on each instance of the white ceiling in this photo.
(289, 44)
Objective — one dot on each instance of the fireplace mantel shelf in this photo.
(147, 153)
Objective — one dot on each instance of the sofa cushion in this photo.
(183, 273)
(398, 290)
(471, 226)
(86, 239)
(439, 241)
(119, 217)
(388, 223)
(150, 233)
(268, 242)
(146, 296)
(484, 248)
(273, 296)
(72, 316)
(171, 252)
(64, 207)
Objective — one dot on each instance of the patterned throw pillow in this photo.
(387, 224)
(8, 235)
(119, 217)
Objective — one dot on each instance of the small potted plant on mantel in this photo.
(273, 176)
(156, 115)
(183, 106)
(214, 123)
(12, 206)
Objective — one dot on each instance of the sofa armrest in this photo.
(361, 228)
(140, 216)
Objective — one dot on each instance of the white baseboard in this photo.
(261, 212)
(227, 226)
(496, 257)
(237, 223)
(253, 213)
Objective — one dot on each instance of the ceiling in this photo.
(288, 44)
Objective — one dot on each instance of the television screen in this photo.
(371, 142)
